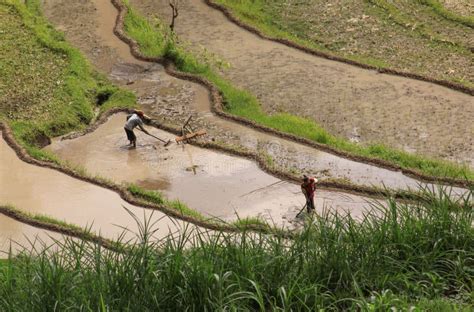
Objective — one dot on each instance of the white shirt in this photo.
(133, 122)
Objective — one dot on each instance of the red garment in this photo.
(309, 187)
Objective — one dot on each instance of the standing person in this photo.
(308, 187)
(134, 120)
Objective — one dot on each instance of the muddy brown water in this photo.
(222, 185)
(16, 237)
(350, 102)
(153, 86)
(40, 190)
(217, 185)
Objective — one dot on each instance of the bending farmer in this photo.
(308, 187)
(134, 120)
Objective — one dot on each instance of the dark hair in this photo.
(305, 178)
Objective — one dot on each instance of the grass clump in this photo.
(399, 257)
(85, 232)
(47, 88)
(244, 104)
(158, 198)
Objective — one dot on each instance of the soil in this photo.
(40, 190)
(172, 100)
(462, 7)
(350, 102)
(214, 184)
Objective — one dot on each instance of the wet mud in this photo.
(16, 237)
(207, 183)
(40, 190)
(361, 105)
(217, 185)
(173, 100)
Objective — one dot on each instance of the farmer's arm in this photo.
(303, 190)
(142, 128)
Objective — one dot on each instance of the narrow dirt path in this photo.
(43, 191)
(351, 102)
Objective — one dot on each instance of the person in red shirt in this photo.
(308, 187)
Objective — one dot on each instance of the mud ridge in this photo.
(124, 193)
(329, 185)
(231, 17)
(217, 108)
(24, 218)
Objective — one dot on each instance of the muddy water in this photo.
(220, 186)
(351, 102)
(43, 191)
(17, 236)
(215, 184)
(286, 153)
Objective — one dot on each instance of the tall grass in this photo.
(414, 258)
(155, 41)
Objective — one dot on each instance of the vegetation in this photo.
(155, 40)
(382, 33)
(158, 198)
(43, 218)
(399, 257)
(47, 88)
(441, 10)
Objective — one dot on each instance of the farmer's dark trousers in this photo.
(130, 135)
(310, 203)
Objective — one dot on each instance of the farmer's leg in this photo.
(129, 135)
(134, 139)
(308, 204)
(311, 203)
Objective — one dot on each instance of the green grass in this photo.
(385, 38)
(157, 198)
(408, 258)
(244, 104)
(441, 10)
(86, 233)
(47, 88)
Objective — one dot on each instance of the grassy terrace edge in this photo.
(51, 224)
(84, 84)
(240, 15)
(154, 41)
(439, 9)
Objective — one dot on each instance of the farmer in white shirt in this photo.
(134, 120)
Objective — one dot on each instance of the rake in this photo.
(166, 142)
(297, 215)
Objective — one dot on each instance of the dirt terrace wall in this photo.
(291, 44)
(122, 191)
(61, 229)
(217, 100)
(330, 185)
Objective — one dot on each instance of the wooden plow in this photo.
(187, 132)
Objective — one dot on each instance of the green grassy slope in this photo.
(47, 88)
